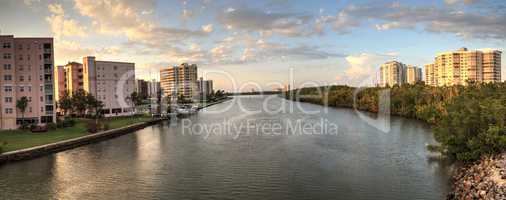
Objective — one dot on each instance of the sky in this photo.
(261, 44)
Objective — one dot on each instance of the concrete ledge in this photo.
(38, 151)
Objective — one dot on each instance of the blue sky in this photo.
(328, 41)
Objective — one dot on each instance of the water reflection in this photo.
(162, 162)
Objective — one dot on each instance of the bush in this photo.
(92, 127)
(51, 126)
(68, 123)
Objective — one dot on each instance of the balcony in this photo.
(47, 50)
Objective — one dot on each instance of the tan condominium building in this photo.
(68, 78)
(463, 66)
(205, 87)
(179, 80)
(110, 82)
(392, 73)
(413, 74)
(26, 70)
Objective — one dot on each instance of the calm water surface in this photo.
(166, 161)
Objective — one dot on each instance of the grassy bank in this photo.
(11, 140)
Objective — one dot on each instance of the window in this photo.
(29, 109)
(115, 67)
(8, 110)
(20, 68)
(7, 66)
(7, 45)
(28, 57)
(41, 98)
(29, 78)
(20, 57)
(8, 99)
(20, 46)
(7, 56)
(8, 88)
(21, 78)
(41, 88)
(7, 78)
(21, 88)
(29, 99)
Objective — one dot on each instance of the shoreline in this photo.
(46, 149)
(480, 179)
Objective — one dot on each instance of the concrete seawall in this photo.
(38, 151)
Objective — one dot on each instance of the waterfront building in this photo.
(463, 66)
(491, 66)
(26, 70)
(108, 81)
(153, 88)
(392, 73)
(59, 82)
(413, 74)
(141, 87)
(430, 74)
(179, 81)
(205, 87)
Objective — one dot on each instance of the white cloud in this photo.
(207, 28)
(60, 26)
(267, 23)
(485, 23)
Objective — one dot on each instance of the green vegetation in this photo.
(468, 122)
(20, 139)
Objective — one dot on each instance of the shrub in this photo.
(68, 123)
(92, 127)
(51, 126)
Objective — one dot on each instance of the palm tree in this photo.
(21, 104)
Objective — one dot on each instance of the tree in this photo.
(135, 99)
(21, 104)
(65, 103)
(94, 106)
(79, 100)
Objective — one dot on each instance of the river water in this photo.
(255, 147)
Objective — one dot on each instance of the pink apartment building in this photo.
(26, 70)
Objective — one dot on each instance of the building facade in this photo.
(26, 70)
(413, 74)
(463, 66)
(153, 88)
(109, 82)
(392, 73)
(205, 87)
(141, 87)
(179, 81)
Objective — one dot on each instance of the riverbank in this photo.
(466, 121)
(37, 151)
(11, 140)
(485, 179)
(205, 105)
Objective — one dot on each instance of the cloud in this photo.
(207, 28)
(485, 23)
(361, 67)
(282, 23)
(60, 26)
(452, 2)
(125, 17)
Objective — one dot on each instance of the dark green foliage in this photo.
(468, 121)
(51, 126)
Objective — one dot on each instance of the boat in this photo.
(185, 110)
